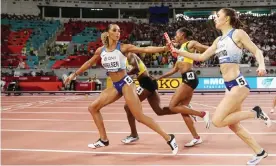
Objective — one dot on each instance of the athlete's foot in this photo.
(194, 142)
(257, 158)
(206, 119)
(130, 139)
(262, 115)
(98, 144)
(172, 143)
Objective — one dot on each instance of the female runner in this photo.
(114, 61)
(228, 48)
(184, 93)
(147, 89)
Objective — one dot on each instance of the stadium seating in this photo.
(31, 34)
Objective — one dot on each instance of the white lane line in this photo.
(125, 132)
(80, 113)
(87, 120)
(135, 153)
(38, 103)
(121, 106)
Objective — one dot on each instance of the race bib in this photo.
(139, 90)
(128, 80)
(241, 81)
(190, 75)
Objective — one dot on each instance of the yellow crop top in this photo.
(141, 66)
(185, 49)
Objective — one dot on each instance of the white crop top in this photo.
(113, 61)
(227, 50)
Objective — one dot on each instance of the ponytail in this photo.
(104, 39)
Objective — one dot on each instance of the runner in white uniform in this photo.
(114, 61)
(228, 48)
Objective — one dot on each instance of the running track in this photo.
(54, 130)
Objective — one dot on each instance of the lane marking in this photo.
(205, 105)
(126, 132)
(121, 106)
(135, 153)
(38, 103)
(112, 120)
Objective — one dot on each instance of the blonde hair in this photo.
(104, 38)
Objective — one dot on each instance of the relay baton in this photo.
(170, 44)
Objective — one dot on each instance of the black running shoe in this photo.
(262, 115)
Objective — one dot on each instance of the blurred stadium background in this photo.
(43, 41)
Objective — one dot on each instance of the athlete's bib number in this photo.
(139, 90)
(190, 75)
(128, 80)
(241, 81)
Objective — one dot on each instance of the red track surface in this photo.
(56, 130)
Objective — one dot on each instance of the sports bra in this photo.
(113, 61)
(141, 66)
(227, 51)
(185, 49)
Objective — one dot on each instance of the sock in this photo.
(198, 137)
(104, 140)
(261, 153)
(171, 137)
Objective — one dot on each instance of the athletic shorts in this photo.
(148, 83)
(239, 81)
(190, 78)
(120, 84)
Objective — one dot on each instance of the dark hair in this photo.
(187, 31)
(234, 18)
(104, 36)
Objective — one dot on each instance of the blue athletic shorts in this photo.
(239, 81)
(120, 84)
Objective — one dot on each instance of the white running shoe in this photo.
(173, 144)
(194, 142)
(257, 158)
(129, 139)
(206, 119)
(98, 144)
